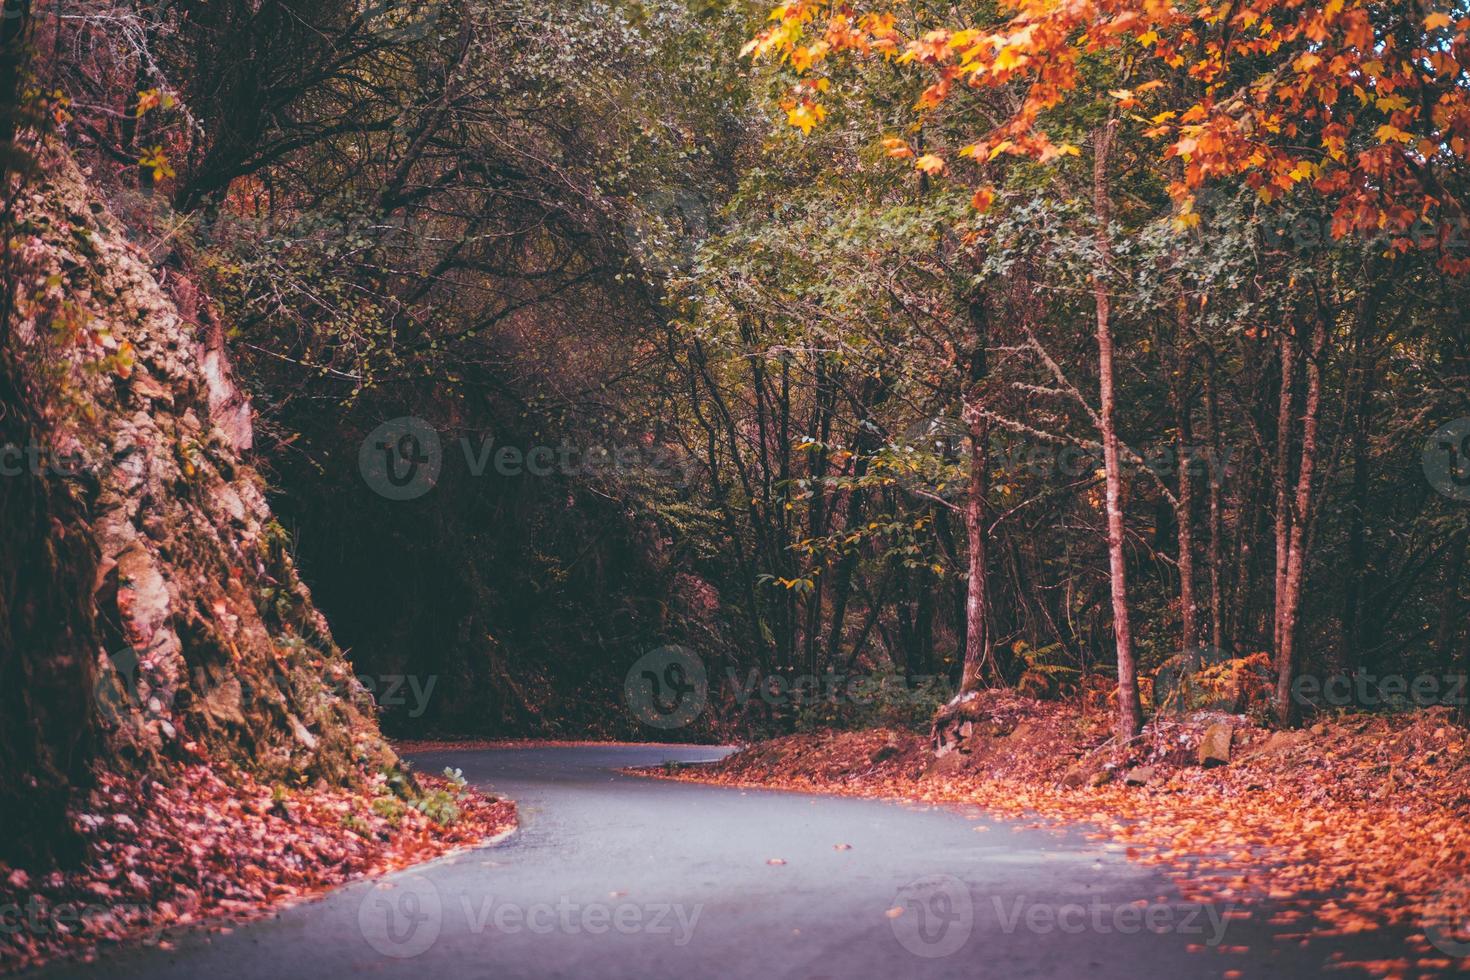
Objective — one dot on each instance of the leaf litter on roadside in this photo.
(1359, 825)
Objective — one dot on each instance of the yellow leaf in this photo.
(1306, 62)
(805, 115)
(1009, 58)
(930, 164)
(1436, 20)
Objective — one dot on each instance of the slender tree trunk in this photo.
(821, 427)
(1250, 613)
(1184, 462)
(1296, 558)
(786, 601)
(923, 663)
(1216, 473)
(1366, 371)
(1451, 622)
(977, 596)
(1130, 712)
(14, 32)
(863, 444)
(1281, 479)
(958, 592)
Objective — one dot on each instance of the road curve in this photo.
(616, 876)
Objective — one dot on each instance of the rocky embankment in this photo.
(180, 736)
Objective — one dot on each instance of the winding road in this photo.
(616, 876)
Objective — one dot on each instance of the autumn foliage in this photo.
(1365, 103)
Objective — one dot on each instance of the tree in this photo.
(1365, 103)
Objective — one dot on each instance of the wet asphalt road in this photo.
(616, 876)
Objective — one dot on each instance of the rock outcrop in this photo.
(191, 635)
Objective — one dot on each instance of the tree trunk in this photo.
(1130, 713)
(1365, 359)
(864, 441)
(957, 594)
(1290, 604)
(1183, 462)
(977, 596)
(1451, 622)
(821, 427)
(1281, 480)
(14, 31)
(1217, 524)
